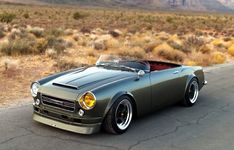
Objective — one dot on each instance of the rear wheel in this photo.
(192, 93)
(119, 116)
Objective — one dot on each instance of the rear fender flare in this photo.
(190, 77)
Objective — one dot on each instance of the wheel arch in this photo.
(190, 77)
(118, 95)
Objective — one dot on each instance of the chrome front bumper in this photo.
(84, 129)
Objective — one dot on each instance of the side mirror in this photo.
(140, 73)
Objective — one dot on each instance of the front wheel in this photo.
(192, 93)
(119, 116)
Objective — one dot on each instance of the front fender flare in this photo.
(115, 97)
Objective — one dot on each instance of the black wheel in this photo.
(119, 116)
(192, 93)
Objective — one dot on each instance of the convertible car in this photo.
(111, 93)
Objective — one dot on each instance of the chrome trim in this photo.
(34, 95)
(83, 95)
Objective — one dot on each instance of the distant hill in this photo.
(193, 5)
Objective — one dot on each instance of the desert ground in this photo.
(36, 41)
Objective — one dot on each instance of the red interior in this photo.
(157, 66)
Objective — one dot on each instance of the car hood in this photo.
(83, 80)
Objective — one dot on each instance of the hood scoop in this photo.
(66, 85)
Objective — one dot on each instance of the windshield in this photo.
(119, 62)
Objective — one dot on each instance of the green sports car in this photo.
(109, 94)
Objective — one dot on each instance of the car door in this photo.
(167, 86)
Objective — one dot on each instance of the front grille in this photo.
(58, 103)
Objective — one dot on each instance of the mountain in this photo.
(193, 5)
(228, 3)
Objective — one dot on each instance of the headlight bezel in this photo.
(83, 104)
(34, 88)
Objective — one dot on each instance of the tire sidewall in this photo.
(187, 101)
(113, 110)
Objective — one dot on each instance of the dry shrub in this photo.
(91, 53)
(37, 31)
(135, 52)
(115, 33)
(56, 32)
(99, 44)
(80, 15)
(64, 64)
(218, 42)
(112, 43)
(19, 47)
(218, 58)
(149, 47)
(205, 49)
(176, 44)
(7, 17)
(200, 58)
(167, 52)
(68, 32)
(231, 50)
(139, 40)
(41, 45)
(58, 44)
(51, 53)
(193, 42)
(2, 34)
(190, 63)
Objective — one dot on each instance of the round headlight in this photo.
(34, 89)
(87, 101)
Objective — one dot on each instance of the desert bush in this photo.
(200, 59)
(135, 52)
(51, 53)
(205, 49)
(7, 17)
(193, 42)
(41, 45)
(26, 15)
(18, 34)
(68, 32)
(218, 58)
(176, 45)
(167, 52)
(58, 44)
(55, 32)
(231, 50)
(190, 63)
(112, 43)
(149, 47)
(63, 64)
(19, 47)
(115, 33)
(2, 34)
(79, 15)
(99, 44)
(37, 31)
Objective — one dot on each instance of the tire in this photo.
(192, 93)
(119, 117)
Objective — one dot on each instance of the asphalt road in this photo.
(209, 125)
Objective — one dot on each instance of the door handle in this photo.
(176, 72)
